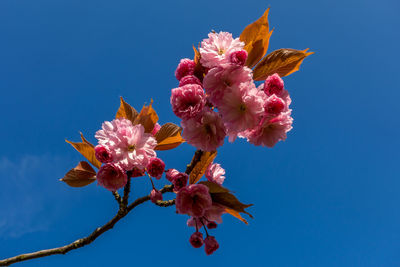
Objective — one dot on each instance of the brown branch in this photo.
(196, 158)
(122, 212)
(83, 241)
(165, 203)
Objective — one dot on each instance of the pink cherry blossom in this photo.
(214, 213)
(217, 80)
(112, 177)
(193, 200)
(103, 154)
(155, 168)
(178, 179)
(273, 85)
(188, 101)
(271, 130)
(155, 195)
(189, 79)
(239, 57)
(216, 50)
(185, 67)
(242, 108)
(274, 105)
(196, 239)
(205, 132)
(210, 245)
(129, 144)
(215, 173)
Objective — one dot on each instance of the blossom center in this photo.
(221, 51)
(242, 108)
(131, 148)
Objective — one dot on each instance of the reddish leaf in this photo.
(82, 175)
(201, 166)
(126, 111)
(169, 137)
(87, 150)
(214, 187)
(228, 200)
(283, 61)
(236, 214)
(256, 38)
(147, 117)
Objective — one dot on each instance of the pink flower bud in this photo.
(212, 225)
(155, 195)
(239, 57)
(274, 105)
(210, 245)
(156, 128)
(190, 79)
(273, 85)
(196, 239)
(185, 67)
(188, 101)
(156, 168)
(103, 154)
(112, 176)
(178, 179)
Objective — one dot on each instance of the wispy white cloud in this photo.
(27, 203)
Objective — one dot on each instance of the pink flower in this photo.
(189, 79)
(241, 108)
(187, 101)
(212, 214)
(196, 239)
(185, 67)
(205, 132)
(129, 144)
(239, 57)
(219, 79)
(273, 85)
(271, 130)
(178, 179)
(103, 154)
(216, 50)
(112, 177)
(155, 195)
(274, 105)
(156, 128)
(155, 168)
(210, 245)
(215, 173)
(193, 200)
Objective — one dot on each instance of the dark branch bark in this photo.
(124, 209)
(83, 241)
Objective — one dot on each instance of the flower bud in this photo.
(196, 239)
(239, 57)
(156, 168)
(185, 67)
(190, 79)
(212, 225)
(103, 154)
(155, 195)
(210, 245)
(112, 177)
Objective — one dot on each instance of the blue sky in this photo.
(328, 196)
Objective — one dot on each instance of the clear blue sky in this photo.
(328, 196)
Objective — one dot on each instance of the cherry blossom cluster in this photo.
(126, 151)
(217, 97)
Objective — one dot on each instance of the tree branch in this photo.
(83, 241)
(122, 212)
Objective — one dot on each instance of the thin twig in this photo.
(127, 190)
(83, 241)
(165, 203)
(117, 197)
(196, 158)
